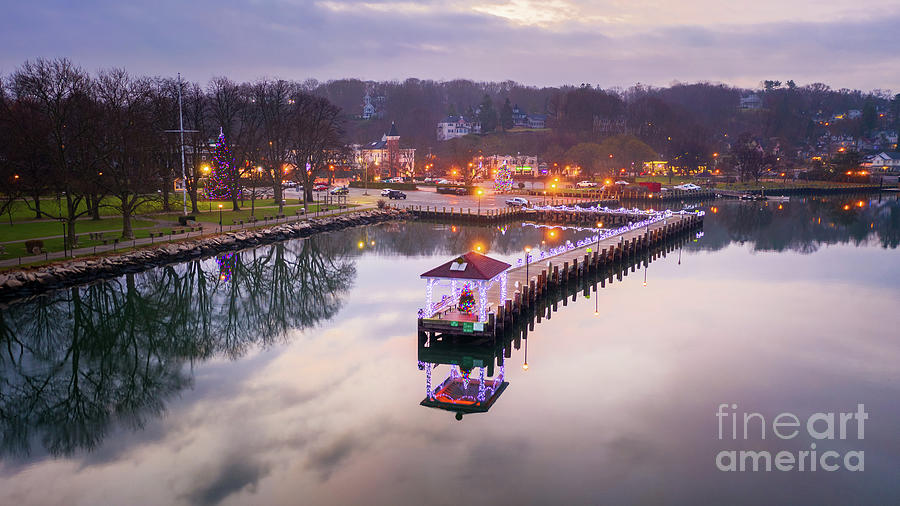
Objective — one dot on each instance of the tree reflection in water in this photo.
(77, 362)
(802, 225)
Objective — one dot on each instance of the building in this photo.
(537, 121)
(751, 102)
(886, 161)
(452, 127)
(520, 165)
(386, 157)
(519, 117)
(368, 107)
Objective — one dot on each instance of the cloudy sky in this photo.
(541, 42)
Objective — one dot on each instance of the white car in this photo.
(517, 202)
(586, 184)
(622, 183)
(385, 192)
(688, 186)
(395, 180)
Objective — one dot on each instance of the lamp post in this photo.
(366, 180)
(527, 252)
(479, 192)
(220, 218)
(65, 239)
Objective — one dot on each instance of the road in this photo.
(427, 196)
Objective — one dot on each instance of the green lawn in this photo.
(17, 249)
(23, 230)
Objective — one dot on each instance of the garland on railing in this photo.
(655, 217)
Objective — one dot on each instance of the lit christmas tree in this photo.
(504, 180)
(466, 300)
(220, 185)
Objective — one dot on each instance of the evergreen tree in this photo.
(221, 185)
(487, 115)
(506, 115)
(466, 300)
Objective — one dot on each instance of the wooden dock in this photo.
(545, 283)
(585, 213)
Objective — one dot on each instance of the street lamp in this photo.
(527, 251)
(599, 227)
(220, 218)
(479, 193)
(366, 180)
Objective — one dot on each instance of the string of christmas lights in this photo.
(220, 185)
(504, 180)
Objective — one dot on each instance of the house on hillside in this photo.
(537, 121)
(751, 102)
(885, 161)
(519, 117)
(452, 127)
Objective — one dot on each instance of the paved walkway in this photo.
(208, 228)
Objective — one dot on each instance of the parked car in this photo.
(395, 180)
(429, 180)
(517, 202)
(688, 186)
(396, 194)
(340, 190)
(586, 184)
(445, 181)
(320, 187)
(622, 183)
(385, 192)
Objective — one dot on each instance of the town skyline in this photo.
(539, 44)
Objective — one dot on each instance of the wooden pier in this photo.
(587, 215)
(541, 285)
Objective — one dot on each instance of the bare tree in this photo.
(24, 152)
(61, 94)
(273, 101)
(129, 143)
(316, 129)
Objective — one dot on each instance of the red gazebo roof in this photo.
(477, 266)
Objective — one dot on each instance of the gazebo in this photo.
(468, 274)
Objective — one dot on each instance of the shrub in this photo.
(521, 186)
(382, 204)
(34, 246)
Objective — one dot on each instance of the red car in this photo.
(320, 187)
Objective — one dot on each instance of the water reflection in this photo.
(803, 225)
(620, 403)
(78, 361)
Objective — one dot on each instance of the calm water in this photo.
(288, 374)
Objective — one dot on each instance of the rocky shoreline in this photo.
(27, 282)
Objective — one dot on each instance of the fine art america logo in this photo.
(831, 429)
